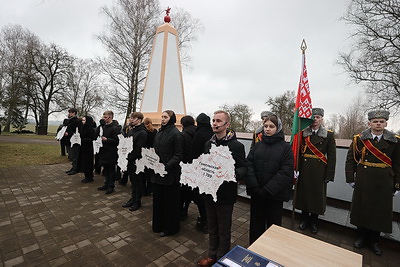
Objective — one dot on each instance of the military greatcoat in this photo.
(375, 182)
(314, 173)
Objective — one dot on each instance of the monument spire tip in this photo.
(167, 18)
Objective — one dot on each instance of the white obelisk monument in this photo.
(164, 85)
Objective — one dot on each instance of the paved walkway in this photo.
(51, 219)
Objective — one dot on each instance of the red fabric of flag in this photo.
(303, 112)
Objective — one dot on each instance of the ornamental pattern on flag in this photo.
(305, 107)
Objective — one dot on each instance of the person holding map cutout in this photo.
(203, 133)
(219, 213)
(139, 137)
(168, 146)
(73, 152)
(269, 177)
(108, 154)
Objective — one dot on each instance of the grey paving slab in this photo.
(51, 219)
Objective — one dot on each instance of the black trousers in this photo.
(368, 235)
(136, 186)
(63, 147)
(185, 199)
(219, 222)
(109, 175)
(166, 208)
(264, 212)
(199, 200)
(147, 184)
(74, 153)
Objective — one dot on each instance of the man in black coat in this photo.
(73, 153)
(219, 214)
(138, 132)
(108, 154)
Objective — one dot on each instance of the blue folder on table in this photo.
(241, 257)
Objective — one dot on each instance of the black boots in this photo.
(309, 220)
(108, 189)
(201, 225)
(128, 203)
(135, 206)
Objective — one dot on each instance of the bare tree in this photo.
(283, 106)
(51, 65)
(374, 59)
(85, 86)
(333, 122)
(240, 116)
(132, 26)
(353, 121)
(13, 46)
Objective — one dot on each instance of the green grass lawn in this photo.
(51, 129)
(20, 154)
(30, 154)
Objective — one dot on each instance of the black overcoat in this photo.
(372, 202)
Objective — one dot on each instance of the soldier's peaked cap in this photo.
(318, 111)
(375, 114)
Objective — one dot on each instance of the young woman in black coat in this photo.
(86, 156)
(168, 146)
(269, 177)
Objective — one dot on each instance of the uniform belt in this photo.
(310, 156)
(376, 165)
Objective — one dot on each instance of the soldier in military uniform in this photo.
(373, 170)
(316, 168)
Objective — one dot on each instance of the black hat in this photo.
(203, 119)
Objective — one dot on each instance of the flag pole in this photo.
(303, 48)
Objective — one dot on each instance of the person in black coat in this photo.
(269, 177)
(168, 146)
(63, 144)
(202, 135)
(139, 138)
(219, 213)
(151, 133)
(108, 154)
(86, 156)
(123, 177)
(73, 153)
(97, 167)
(188, 132)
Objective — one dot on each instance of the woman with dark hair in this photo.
(151, 133)
(86, 156)
(168, 146)
(269, 177)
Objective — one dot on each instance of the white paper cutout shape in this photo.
(98, 142)
(125, 146)
(76, 138)
(150, 160)
(61, 133)
(209, 171)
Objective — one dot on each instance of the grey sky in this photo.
(250, 50)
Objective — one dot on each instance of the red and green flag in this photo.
(303, 112)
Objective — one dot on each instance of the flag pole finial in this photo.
(303, 46)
